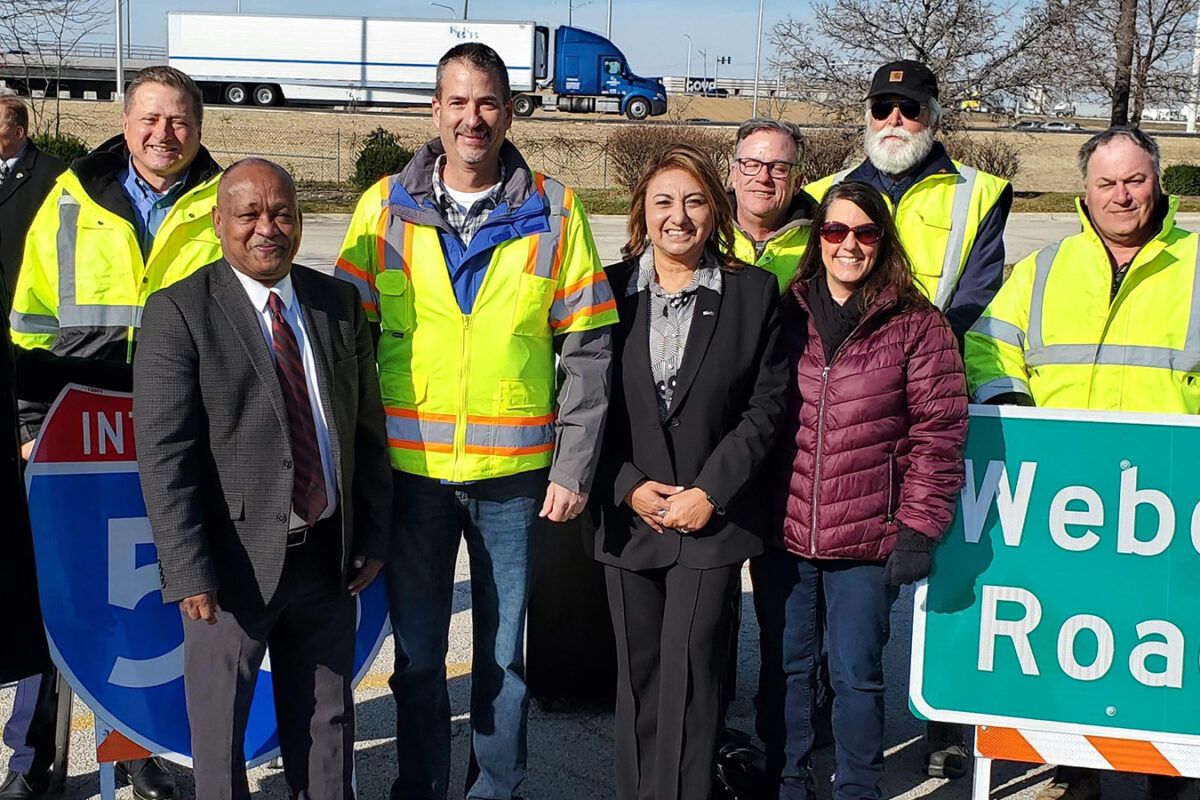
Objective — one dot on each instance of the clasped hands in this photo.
(662, 506)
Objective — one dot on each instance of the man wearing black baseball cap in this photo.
(950, 216)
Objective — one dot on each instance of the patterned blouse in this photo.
(670, 319)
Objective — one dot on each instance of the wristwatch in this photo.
(717, 507)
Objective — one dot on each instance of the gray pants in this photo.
(309, 625)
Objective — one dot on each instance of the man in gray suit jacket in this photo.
(264, 466)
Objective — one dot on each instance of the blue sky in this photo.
(649, 32)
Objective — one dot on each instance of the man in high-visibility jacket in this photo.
(950, 216)
(771, 212)
(477, 270)
(125, 220)
(1104, 319)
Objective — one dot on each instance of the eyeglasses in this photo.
(882, 109)
(776, 169)
(836, 232)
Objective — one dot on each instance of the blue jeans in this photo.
(498, 518)
(858, 610)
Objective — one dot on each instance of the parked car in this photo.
(1064, 109)
(1025, 125)
(1060, 126)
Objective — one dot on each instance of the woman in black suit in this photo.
(699, 385)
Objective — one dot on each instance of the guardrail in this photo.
(44, 50)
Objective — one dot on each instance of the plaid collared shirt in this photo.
(466, 225)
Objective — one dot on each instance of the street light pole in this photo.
(465, 4)
(120, 93)
(704, 80)
(453, 13)
(608, 25)
(687, 79)
(757, 54)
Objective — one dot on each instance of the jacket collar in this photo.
(1167, 208)
(799, 214)
(99, 174)
(415, 186)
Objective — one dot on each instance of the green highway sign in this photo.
(1066, 594)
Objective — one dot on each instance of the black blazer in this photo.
(21, 196)
(729, 402)
(213, 437)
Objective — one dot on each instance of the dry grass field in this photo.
(320, 145)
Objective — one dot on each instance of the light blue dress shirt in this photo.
(150, 207)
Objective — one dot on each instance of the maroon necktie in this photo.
(308, 489)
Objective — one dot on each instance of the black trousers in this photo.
(310, 627)
(673, 629)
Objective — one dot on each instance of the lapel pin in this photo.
(707, 313)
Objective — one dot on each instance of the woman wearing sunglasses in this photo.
(699, 395)
(879, 423)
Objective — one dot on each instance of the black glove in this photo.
(910, 560)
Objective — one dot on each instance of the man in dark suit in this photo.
(26, 177)
(264, 466)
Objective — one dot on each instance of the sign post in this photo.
(1062, 616)
(110, 635)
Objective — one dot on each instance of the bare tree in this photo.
(1159, 58)
(969, 44)
(43, 35)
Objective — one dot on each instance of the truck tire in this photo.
(523, 105)
(235, 94)
(265, 95)
(637, 108)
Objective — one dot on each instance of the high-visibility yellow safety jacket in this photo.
(472, 396)
(1052, 334)
(83, 279)
(938, 219)
(780, 256)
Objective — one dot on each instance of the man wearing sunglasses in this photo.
(771, 212)
(950, 216)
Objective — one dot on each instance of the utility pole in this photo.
(687, 80)
(1194, 105)
(1125, 35)
(465, 4)
(757, 53)
(704, 80)
(120, 92)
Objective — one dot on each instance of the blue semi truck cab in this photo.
(591, 76)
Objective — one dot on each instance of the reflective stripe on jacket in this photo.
(1052, 333)
(84, 280)
(938, 219)
(471, 396)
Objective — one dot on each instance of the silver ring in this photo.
(662, 512)
(684, 530)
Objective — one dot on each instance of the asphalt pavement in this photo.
(570, 750)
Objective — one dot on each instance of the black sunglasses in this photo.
(882, 109)
(836, 232)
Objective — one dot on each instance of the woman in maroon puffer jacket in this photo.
(879, 423)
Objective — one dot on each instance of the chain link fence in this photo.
(323, 146)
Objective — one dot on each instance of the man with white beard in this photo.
(950, 216)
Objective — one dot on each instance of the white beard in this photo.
(892, 160)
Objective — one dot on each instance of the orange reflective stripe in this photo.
(412, 413)
(1127, 755)
(381, 242)
(595, 277)
(531, 259)
(509, 451)
(590, 311)
(431, 447)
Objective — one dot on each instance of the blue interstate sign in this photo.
(1066, 595)
(110, 634)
